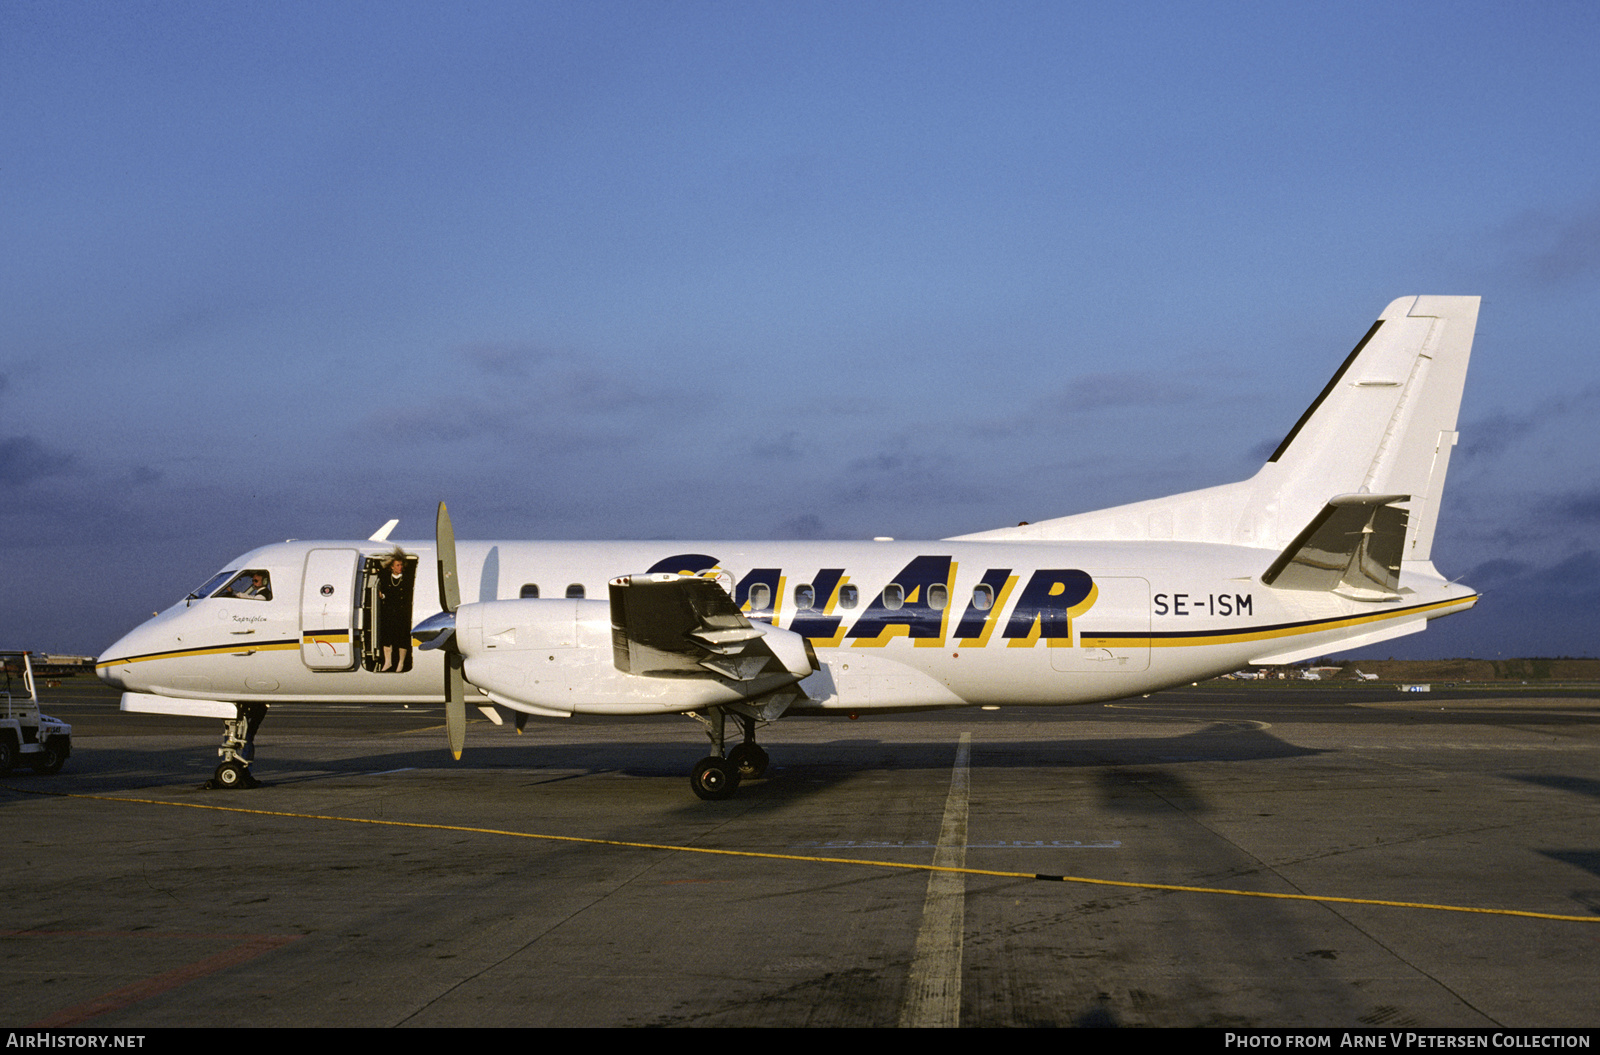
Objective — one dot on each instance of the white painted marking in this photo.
(933, 988)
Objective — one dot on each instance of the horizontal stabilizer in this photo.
(1353, 548)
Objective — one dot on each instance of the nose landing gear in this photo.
(238, 749)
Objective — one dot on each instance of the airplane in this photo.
(1327, 547)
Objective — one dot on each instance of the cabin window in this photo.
(529, 591)
(938, 596)
(760, 597)
(849, 596)
(983, 597)
(805, 597)
(252, 584)
(575, 592)
(894, 596)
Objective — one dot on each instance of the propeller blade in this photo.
(522, 719)
(455, 705)
(455, 680)
(445, 543)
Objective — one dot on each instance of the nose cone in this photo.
(107, 668)
(115, 665)
(109, 678)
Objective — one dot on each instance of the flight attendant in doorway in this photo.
(394, 614)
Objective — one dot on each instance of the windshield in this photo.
(212, 585)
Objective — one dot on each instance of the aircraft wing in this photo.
(666, 625)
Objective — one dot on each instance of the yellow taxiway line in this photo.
(859, 862)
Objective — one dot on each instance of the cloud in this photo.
(1108, 393)
(785, 447)
(1498, 571)
(542, 400)
(906, 477)
(1529, 610)
(1555, 248)
(804, 526)
(591, 383)
(445, 418)
(24, 460)
(1122, 389)
(503, 360)
(1499, 432)
(1581, 507)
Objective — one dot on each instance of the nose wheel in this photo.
(238, 748)
(233, 774)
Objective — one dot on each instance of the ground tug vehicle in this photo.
(26, 735)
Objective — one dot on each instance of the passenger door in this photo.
(327, 609)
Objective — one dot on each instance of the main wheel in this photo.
(229, 775)
(714, 778)
(750, 758)
(8, 753)
(49, 761)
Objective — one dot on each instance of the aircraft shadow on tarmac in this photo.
(1588, 860)
(799, 770)
(1586, 786)
(1377, 707)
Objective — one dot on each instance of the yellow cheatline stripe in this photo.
(1225, 637)
(209, 650)
(902, 865)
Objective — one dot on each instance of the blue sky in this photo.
(679, 270)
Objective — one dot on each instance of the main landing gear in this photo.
(238, 748)
(717, 776)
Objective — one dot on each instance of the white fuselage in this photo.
(977, 623)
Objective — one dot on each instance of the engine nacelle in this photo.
(557, 657)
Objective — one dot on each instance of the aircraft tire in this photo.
(229, 775)
(49, 761)
(714, 778)
(8, 753)
(750, 759)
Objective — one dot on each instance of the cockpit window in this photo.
(211, 586)
(253, 584)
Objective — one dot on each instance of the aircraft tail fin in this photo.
(1384, 425)
(1387, 421)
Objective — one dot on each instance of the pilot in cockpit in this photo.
(250, 586)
